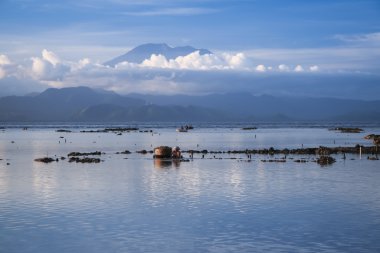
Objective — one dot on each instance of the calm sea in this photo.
(132, 203)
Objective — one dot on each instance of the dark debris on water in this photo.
(84, 154)
(46, 160)
(84, 160)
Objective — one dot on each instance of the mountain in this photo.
(265, 107)
(142, 52)
(82, 104)
(149, 113)
(58, 104)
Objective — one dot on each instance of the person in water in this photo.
(176, 152)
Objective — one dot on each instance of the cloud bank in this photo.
(195, 61)
(190, 74)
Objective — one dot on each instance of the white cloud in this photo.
(283, 68)
(236, 61)
(195, 61)
(84, 62)
(50, 57)
(4, 60)
(49, 67)
(261, 68)
(156, 61)
(38, 66)
(314, 68)
(298, 68)
(333, 59)
(126, 65)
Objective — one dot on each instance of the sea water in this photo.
(132, 203)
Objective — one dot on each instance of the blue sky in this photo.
(335, 35)
(218, 25)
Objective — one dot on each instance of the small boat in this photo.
(181, 129)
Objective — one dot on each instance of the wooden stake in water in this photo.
(360, 152)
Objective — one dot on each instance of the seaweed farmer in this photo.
(176, 152)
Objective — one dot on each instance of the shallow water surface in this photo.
(204, 205)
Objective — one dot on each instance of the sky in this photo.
(290, 47)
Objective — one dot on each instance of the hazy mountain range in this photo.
(85, 104)
(82, 104)
(143, 52)
(245, 105)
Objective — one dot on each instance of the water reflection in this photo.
(44, 181)
(166, 163)
(4, 177)
(237, 187)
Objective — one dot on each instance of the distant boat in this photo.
(181, 129)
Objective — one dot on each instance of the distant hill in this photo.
(265, 107)
(142, 52)
(58, 104)
(149, 113)
(82, 104)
